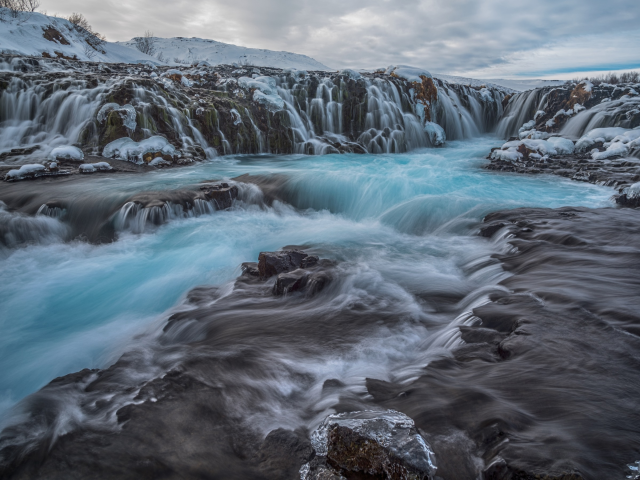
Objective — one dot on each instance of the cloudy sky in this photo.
(479, 38)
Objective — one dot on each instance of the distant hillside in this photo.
(192, 50)
(35, 34)
(515, 85)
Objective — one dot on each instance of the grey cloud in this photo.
(447, 36)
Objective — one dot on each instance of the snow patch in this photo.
(66, 153)
(411, 74)
(25, 171)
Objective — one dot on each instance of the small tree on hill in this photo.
(147, 43)
(17, 6)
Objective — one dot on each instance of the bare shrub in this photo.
(612, 78)
(147, 43)
(16, 7)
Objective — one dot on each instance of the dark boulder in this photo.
(300, 281)
(275, 263)
(222, 194)
(369, 444)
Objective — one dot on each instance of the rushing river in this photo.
(402, 225)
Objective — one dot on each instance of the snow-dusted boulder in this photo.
(95, 167)
(140, 152)
(411, 74)
(25, 171)
(598, 135)
(562, 146)
(620, 146)
(371, 444)
(519, 150)
(66, 153)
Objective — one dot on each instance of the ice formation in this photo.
(66, 153)
(129, 150)
(126, 112)
(25, 171)
(94, 167)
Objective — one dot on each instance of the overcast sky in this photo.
(480, 38)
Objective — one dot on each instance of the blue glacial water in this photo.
(406, 220)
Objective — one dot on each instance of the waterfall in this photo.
(47, 113)
(522, 107)
(209, 111)
(614, 113)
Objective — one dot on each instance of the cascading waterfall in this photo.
(521, 108)
(47, 113)
(323, 113)
(618, 113)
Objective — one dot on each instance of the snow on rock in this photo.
(235, 115)
(126, 112)
(376, 444)
(524, 149)
(634, 190)
(25, 171)
(352, 74)
(436, 133)
(181, 51)
(587, 86)
(66, 153)
(620, 145)
(562, 146)
(265, 92)
(94, 167)
(411, 74)
(534, 134)
(598, 135)
(128, 150)
(35, 34)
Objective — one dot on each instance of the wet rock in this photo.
(369, 444)
(275, 263)
(500, 470)
(250, 269)
(300, 281)
(15, 152)
(222, 194)
(283, 452)
(625, 200)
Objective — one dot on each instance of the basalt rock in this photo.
(275, 263)
(617, 173)
(301, 281)
(369, 444)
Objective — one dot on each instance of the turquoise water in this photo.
(406, 220)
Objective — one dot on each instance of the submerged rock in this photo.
(373, 444)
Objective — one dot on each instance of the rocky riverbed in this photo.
(540, 387)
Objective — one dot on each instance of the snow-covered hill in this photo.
(38, 35)
(180, 50)
(35, 34)
(515, 85)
